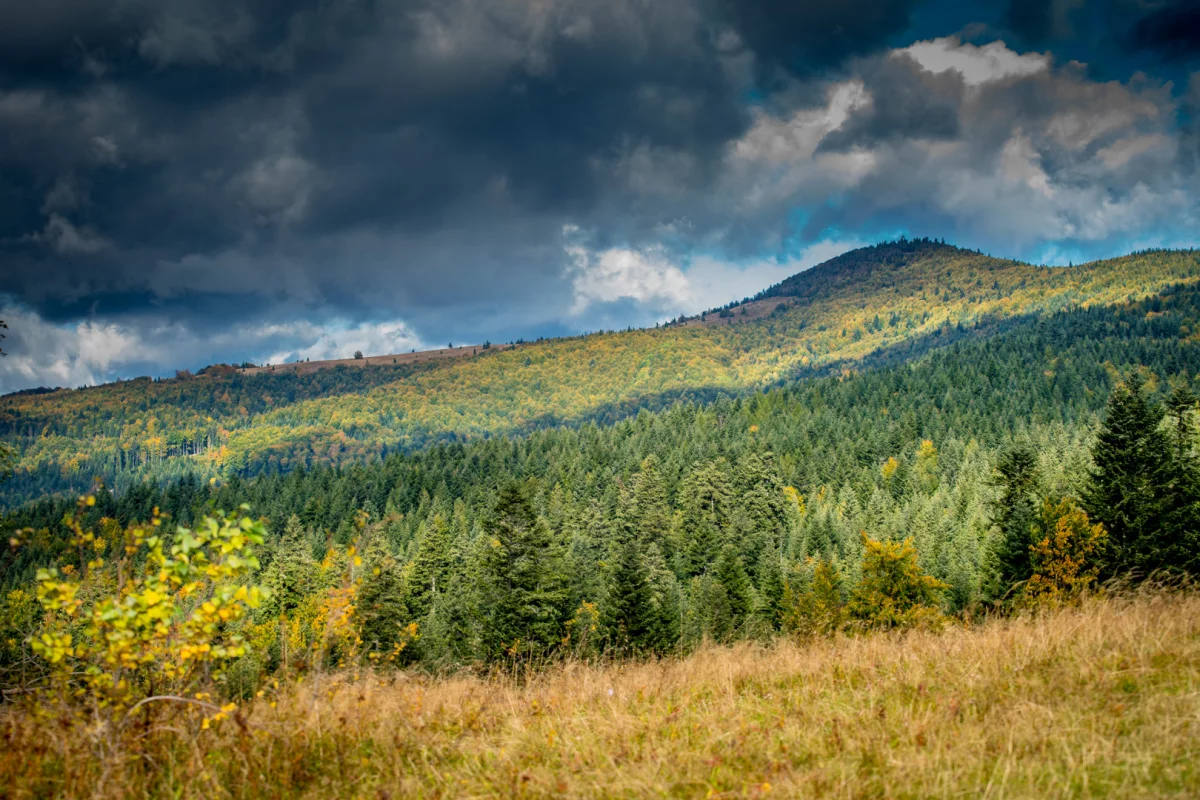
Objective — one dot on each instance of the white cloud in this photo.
(977, 65)
(1038, 153)
(341, 341)
(647, 276)
(651, 278)
(40, 353)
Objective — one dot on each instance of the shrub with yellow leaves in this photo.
(158, 623)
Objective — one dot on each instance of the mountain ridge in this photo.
(866, 301)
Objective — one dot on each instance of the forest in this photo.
(918, 437)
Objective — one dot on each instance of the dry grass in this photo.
(1103, 701)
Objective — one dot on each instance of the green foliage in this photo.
(1015, 513)
(155, 618)
(1143, 486)
(818, 608)
(716, 520)
(226, 424)
(706, 498)
(381, 614)
(523, 592)
(628, 614)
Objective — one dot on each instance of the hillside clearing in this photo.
(1103, 701)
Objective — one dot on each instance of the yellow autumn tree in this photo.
(894, 592)
(1066, 559)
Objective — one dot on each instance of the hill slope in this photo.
(863, 302)
(1099, 702)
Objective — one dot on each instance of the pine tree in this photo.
(817, 609)
(380, 609)
(769, 609)
(730, 572)
(705, 499)
(644, 510)
(522, 591)
(1130, 486)
(1178, 545)
(628, 611)
(430, 566)
(1015, 513)
(760, 498)
(292, 574)
(666, 594)
(449, 638)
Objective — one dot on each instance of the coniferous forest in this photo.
(911, 438)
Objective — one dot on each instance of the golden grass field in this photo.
(1102, 701)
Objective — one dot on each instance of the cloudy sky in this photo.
(184, 183)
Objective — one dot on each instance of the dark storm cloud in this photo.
(908, 103)
(139, 140)
(1171, 29)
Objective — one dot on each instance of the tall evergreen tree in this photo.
(628, 611)
(1131, 479)
(522, 593)
(430, 567)
(292, 574)
(705, 497)
(730, 573)
(644, 511)
(1016, 513)
(380, 609)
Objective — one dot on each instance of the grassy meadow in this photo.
(1098, 701)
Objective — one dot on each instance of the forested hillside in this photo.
(901, 297)
(729, 503)
(937, 439)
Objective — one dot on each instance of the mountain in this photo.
(903, 297)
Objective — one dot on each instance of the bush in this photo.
(143, 617)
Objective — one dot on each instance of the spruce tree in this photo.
(430, 567)
(705, 497)
(769, 608)
(1016, 513)
(522, 593)
(628, 611)
(1131, 480)
(644, 511)
(730, 573)
(380, 609)
(292, 574)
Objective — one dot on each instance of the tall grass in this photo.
(1098, 701)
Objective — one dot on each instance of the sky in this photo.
(188, 183)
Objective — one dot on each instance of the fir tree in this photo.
(730, 573)
(522, 592)
(430, 566)
(1015, 513)
(705, 498)
(380, 609)
(817, 608)
(1131, 480)
(628, 611)
(292, 574)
